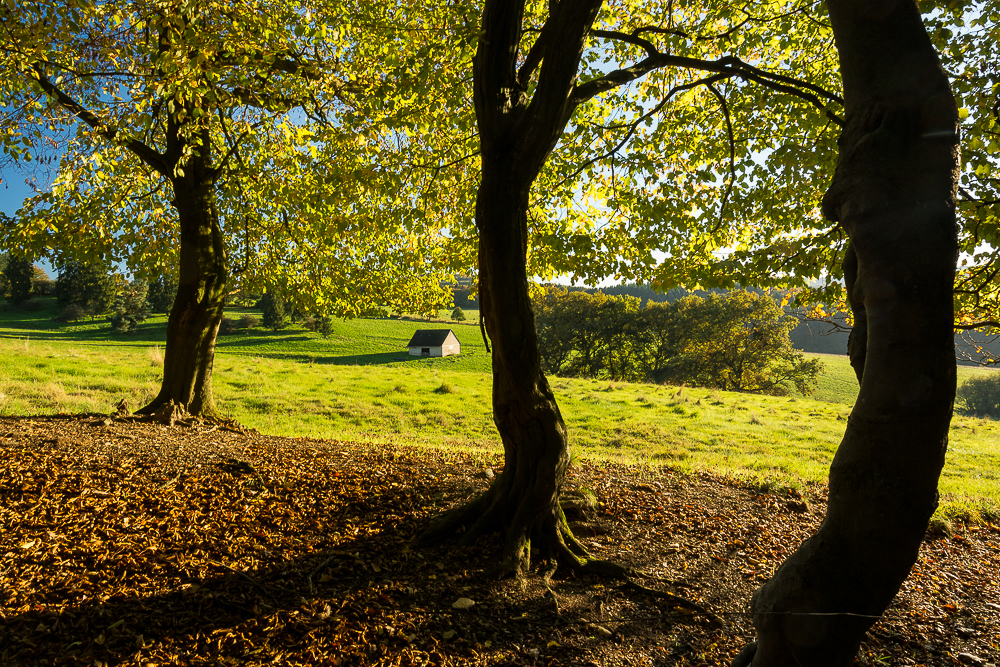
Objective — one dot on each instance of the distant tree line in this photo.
(736, 341)
(20, 280)
(86, 290)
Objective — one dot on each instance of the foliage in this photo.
(162, 290)
(325, 327)
(18, 273)
(273, 311)
(981, 395)
(248, 321)
(73, 313)
(738, 341)
(967, 37)
(131, 306)
(41, 284)
(463, 298)
(90, 286)
(458, 314)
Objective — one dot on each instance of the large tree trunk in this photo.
(894, 193)
(523, 502)
(197, 312)
(516, 138)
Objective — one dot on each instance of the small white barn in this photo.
(434, 343)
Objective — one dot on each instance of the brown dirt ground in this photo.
(126, 543)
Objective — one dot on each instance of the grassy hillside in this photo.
(349, 386)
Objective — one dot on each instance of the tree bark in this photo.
(201, 290)
(516, 138)
(894, 192)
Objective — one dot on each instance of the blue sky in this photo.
(12, 190)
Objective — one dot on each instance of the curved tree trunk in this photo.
(516, 136)
(197, 312)
(523, 501)
(894, 193)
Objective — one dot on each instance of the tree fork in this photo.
(894, 192)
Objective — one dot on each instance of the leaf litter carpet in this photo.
(128, 543)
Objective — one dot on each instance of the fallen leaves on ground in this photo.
(127, 543)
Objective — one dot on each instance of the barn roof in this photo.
(429, 337)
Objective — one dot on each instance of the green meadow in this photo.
(360, 384)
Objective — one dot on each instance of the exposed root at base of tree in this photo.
(551, 536)
(677, 600)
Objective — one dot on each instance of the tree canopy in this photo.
(115, 99)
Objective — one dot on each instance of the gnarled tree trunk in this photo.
(516, 138)
(894, 193)
(201, 290)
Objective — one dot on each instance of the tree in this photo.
(894, 193)
(458, 314)
(161, 294)
(41, 284)
(92, 287)
(273, 311)
(525, 92)
(586, 335)
(131, 306)
(981, 395)
(737, 342)
(18, 274)
(207, 129)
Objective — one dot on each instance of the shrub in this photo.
(458, 315)
(981, 395)
(227, 326)
(310, 323)
(325, 326)
(73, 313)
(248, 322)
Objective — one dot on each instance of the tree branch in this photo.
(728, 65)
(978, 325)
(109, 132)
(533, 58)
(732, 154)
(635, 124)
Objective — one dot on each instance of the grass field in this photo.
(351, 386)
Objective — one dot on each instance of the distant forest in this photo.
(818, 337)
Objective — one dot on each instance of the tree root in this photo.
(676, 600)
